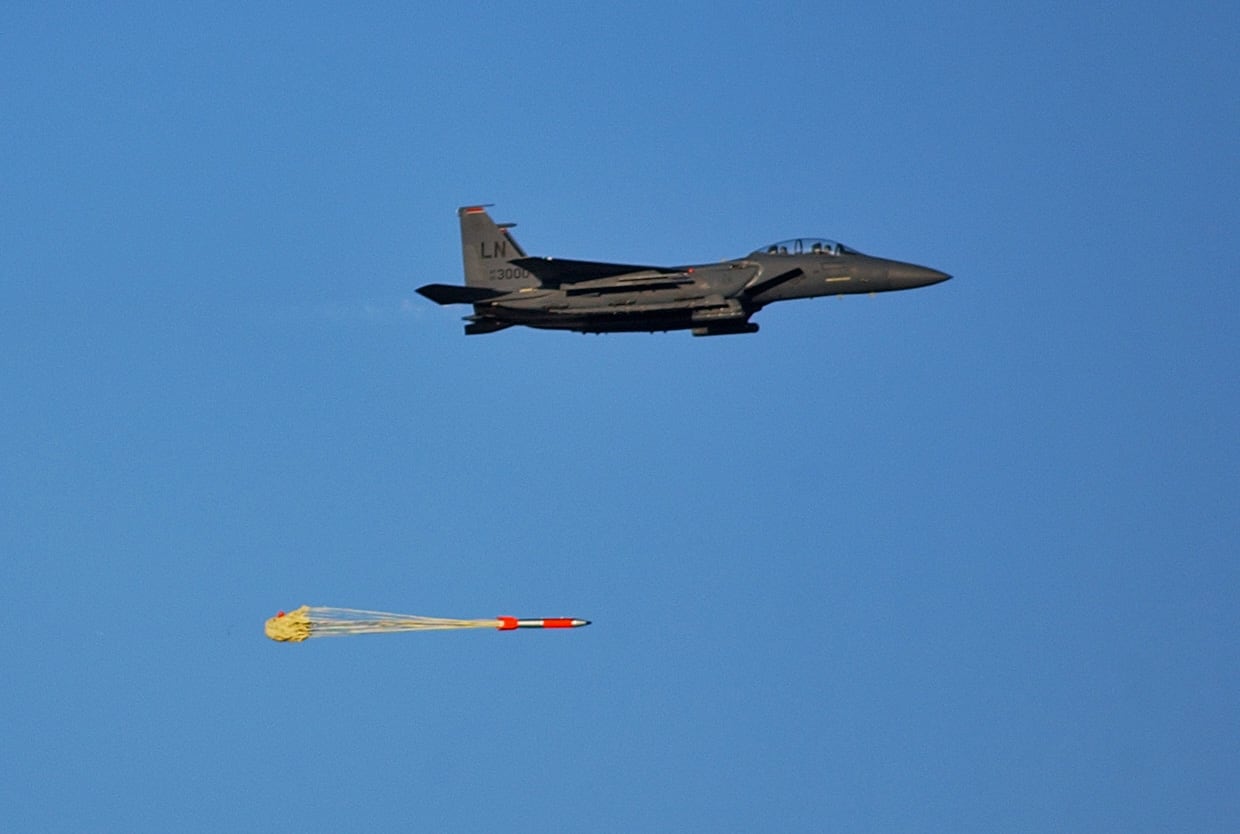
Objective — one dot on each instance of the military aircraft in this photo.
(507, 287)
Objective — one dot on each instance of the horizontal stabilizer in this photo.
(555, 271)
(726, 329)
(477, 326)
(450, 294)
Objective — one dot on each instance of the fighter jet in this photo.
(507, 287)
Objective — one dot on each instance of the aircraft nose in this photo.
(907, 276)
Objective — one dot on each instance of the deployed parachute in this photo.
(307, 621)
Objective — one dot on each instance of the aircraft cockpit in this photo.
(806, 246)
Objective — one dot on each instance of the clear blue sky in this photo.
(957, 559)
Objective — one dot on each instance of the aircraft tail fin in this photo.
(488, 251)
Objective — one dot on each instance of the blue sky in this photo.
(960, 559)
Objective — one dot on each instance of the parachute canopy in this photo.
(308, 621)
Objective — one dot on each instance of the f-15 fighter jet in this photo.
(507, 287)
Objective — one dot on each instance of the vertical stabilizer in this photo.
(486, 249)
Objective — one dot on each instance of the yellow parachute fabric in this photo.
(307, 621)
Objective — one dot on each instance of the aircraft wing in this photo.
(662, 281)
(555, 271)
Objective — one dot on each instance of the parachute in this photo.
(309, 621)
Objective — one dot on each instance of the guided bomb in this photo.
(308, 622)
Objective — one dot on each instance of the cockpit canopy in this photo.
(806, 246)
